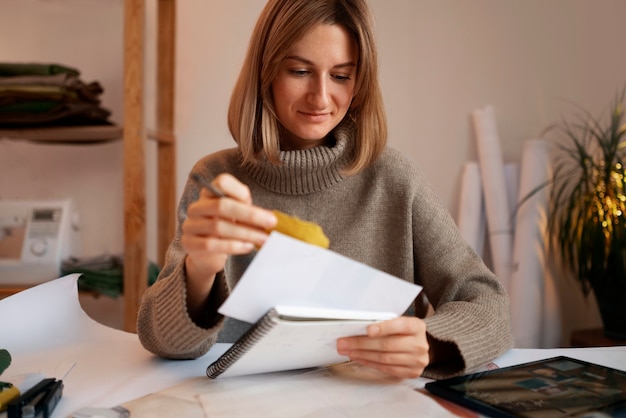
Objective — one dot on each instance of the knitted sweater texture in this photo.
(386, 216)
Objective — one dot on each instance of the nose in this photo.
(319, 94)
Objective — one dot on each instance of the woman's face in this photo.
(315, 85)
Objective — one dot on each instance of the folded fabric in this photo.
(37, 95)
(64, 114)
(103, 274)
(61, 79)
(12, 69)
(31, 106)
(77, 91)
(19, 94)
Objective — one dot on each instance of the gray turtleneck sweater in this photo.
(386, 216)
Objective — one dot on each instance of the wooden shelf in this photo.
(134, 135)
(66, 134)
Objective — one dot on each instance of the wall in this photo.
(440, 59)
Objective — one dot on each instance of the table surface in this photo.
(102, 367)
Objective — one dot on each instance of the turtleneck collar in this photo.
(306, 171)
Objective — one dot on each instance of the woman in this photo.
(308, 119)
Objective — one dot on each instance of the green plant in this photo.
(5, 360)
(587, 208)
(588, 201)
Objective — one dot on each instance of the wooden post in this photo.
(166, 148)
(135, 256)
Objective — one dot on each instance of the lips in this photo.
(316, 117)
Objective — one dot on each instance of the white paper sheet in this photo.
(529, 289)
(287, 271)
(46, 331)
(472, 216)
(347, 390)
(512, 174)
(341, 391)
(494, 186)
(49, 315)
(472, 220)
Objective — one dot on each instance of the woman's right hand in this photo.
(217, 227)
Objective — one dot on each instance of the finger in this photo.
(398, 360)
(215, 234)
(403, 358)
(197, 246)
(223, 185)
(403, 325)
(393, 344)
(233, 188)
(398, 334)
(232, 210)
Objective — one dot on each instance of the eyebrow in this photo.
(309, 62)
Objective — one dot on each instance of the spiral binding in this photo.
(243, 344)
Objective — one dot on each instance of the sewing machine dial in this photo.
(44, 226)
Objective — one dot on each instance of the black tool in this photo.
(37, 402)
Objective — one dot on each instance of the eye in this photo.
(342, 78)
(299, 73)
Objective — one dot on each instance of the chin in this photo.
(317, 136)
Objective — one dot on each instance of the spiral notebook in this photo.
(300, 298)
(290, 337)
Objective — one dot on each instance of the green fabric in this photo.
(12, 69)
(104, 274)
(34, 106)
(25, 93)
(33, 89)
(33, 95)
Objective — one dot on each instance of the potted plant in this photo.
(587, 209)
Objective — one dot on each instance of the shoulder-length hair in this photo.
(252, 119)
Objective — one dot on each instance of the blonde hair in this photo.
(251, 117)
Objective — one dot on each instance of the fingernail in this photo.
(247, 246)
(270, 220)
(373, 330)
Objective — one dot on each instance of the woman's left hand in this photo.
(398, 347)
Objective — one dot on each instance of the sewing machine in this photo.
(35, 236)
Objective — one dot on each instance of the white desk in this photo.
(45, 330)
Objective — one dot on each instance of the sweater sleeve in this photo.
(164, 326)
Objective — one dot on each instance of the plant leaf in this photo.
(587, 197)
(5, 360)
